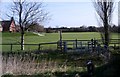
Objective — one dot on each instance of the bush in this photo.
(111, 69)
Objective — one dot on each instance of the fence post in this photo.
(76, 43)
(61, 40)
(92, 43)
(65, 46)
(11, 48)
(88, 46)
(38, 46)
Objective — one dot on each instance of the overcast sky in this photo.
(68, 14)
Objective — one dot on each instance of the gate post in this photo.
(65, 46)
(76, 43)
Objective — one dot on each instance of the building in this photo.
(1, 27)
(8, 25)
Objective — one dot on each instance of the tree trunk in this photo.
(21, 26)
(106, 25)
(106, 32)
(22, 39)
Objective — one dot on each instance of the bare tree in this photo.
(28, 14)
(36, 28)
(104, 9)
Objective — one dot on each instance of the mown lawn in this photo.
(30, 38)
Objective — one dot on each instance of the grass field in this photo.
(61, 64)
(30, 38)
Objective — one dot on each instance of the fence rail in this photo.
(41, 46)
(53, 45)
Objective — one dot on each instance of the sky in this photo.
(68, 13)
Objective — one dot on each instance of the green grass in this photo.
(30, 38)
(69, 62)
(111, 69)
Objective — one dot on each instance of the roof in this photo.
(6, 24)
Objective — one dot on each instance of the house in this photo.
(8, 25)
(1, 27)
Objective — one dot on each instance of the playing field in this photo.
(31, 38)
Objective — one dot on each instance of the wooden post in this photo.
(60, 35)
(61, 40)
(92, 44)
(80, 46)
(65, 46)
(38, 46)
(11, 48)
(76, 43)
(88, 45)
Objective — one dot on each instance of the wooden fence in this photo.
(63, 45)
(86, 45)
(29, 47)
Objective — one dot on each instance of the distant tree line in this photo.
(114, 29)
(36, 28)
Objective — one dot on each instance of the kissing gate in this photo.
(81, 46)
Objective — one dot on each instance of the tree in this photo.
(104, 9)
(27, 14)
(92, 29)
(36, 28)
